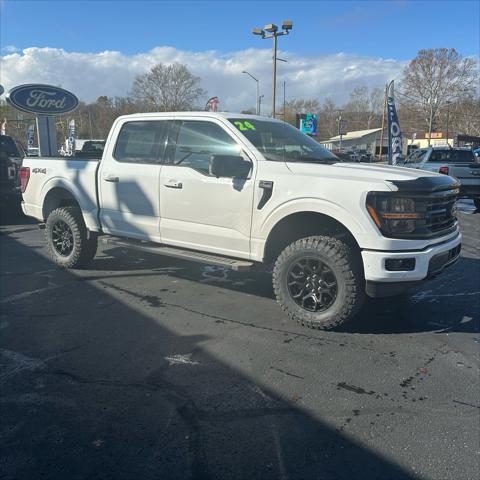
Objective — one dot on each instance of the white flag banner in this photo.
(30, 135)
(71, 137)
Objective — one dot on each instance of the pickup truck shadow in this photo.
(94, 387)
(451, 302)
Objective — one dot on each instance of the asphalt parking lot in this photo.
(147, 367)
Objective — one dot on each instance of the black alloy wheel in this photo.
(312, 284)
(62, 238)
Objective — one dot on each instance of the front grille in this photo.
(439, 213)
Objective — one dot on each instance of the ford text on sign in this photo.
(42, 99)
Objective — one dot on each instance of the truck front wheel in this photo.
(318, 282)
(68, 242)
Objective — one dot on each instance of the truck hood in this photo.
(396, 178)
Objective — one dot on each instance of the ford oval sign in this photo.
(42, 99)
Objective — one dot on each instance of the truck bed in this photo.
(78, 176)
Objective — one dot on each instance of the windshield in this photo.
(415, 157)
(8, 146)
(281, 142)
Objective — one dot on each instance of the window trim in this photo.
(160, 154)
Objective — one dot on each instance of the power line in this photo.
(440, 109)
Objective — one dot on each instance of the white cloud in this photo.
(10, 48)
(111, 73)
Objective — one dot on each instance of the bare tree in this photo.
(364, 106)
(298, 105)
(167, 88)
(465, 116)
(437, 76)
(328, 121)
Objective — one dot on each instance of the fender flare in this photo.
(313, 205)
(87, 205)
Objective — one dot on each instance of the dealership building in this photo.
(368, 141)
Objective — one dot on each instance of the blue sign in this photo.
(308, 124)
(42, 99)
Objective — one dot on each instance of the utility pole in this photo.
(383, 124)
(448, 118)
(287, 25)
(284, 102)
(274, 75)
(431, 101)
(341, 129)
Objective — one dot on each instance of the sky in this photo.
(96, 48)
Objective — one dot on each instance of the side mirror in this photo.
(230, 166)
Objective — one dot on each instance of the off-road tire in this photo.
(347, 269)
(84, 243)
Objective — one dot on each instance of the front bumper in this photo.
(470, 190)
(428, 262)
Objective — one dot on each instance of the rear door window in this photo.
(452, 156)
(142, 142)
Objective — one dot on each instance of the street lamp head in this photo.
(257, 31)
(271, 27)
(287, 25)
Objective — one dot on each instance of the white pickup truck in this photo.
(237, 190)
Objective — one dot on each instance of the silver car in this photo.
(460, 163)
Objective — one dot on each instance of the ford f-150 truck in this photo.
(238, 190)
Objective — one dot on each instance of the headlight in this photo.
(393, 215)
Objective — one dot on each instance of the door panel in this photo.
(130, 206)
(200, 211)
(129, 181)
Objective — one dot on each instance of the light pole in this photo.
(448, 118)
(287, 25)
(257, 109)
(260, 104)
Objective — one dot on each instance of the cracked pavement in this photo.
(144, 366)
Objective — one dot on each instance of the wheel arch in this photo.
(305, 224)
(56, 197)
(59, 192)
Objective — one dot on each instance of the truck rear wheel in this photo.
(476, 202)
(318, 282)
(68, 242)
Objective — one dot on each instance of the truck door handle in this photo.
(173, 184)
(111, 178)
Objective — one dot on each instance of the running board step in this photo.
(194, 256)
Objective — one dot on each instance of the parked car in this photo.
(11, 154)
(33, 152)
(238, 190)
(89, 148)
(460, 163)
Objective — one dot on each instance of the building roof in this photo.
(353, 135)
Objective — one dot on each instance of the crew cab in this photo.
(461, 163)
(238, 190)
